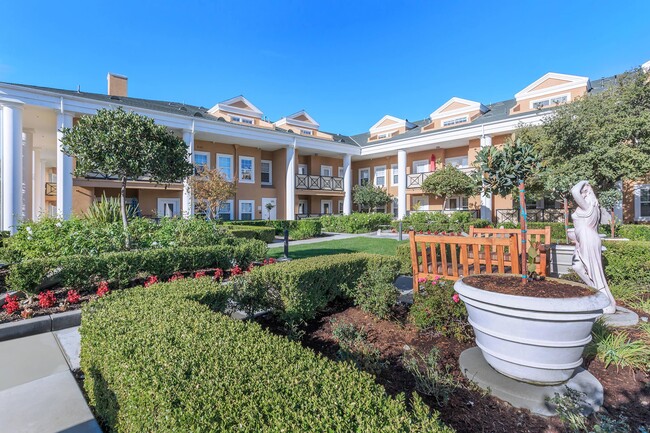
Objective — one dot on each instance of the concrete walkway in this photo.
(37, 390)
(278, 243)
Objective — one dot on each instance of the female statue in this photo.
(587, 260)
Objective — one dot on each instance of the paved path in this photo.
(37, 390)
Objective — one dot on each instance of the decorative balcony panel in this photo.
(319, 183)
(417, 179)
(50, 189)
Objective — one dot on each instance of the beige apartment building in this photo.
(290, 163)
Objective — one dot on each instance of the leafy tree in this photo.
(449, 181)
(211, 189)
(608, 200)
(504, 171)
(127, 146)
(370, 196)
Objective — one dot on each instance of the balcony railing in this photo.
(319, 183)
(416, 180)
(50, 188)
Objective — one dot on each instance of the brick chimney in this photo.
(117, 84)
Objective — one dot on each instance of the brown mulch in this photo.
(470, 409)
(60, 306)
(513, 285)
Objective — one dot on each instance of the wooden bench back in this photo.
(453, 257)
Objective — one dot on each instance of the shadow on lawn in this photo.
(312, 252)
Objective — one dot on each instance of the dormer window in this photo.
(543, 103)
(389, 126)
(240, 119)
(306, 132)
(384, 135)
(456, 121)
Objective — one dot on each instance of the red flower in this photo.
(73, 297)
(175, 277)
(103, 288)
(436, 232)
(272, 260)
(236, 270)
(428, 232)
(218, 274)
(11, 304)
(46, 299)
(151, 280)
(456, 298)
(199, 274)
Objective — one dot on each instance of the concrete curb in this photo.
(39, 325)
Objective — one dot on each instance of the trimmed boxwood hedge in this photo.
(356, 222)
(627, 263)
(80, 271)
(161, 359)
(266, 234)
(300, 229)
(297, 290)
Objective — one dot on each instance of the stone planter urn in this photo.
(530, 339)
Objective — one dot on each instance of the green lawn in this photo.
(352, 245)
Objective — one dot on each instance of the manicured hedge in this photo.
(439, 222)
(634, 232)
(80, 271)
(355, 223)
(300, 229)
(298, 289)
(266, 234)
(403, 254)
(628, 264)
(160, 359)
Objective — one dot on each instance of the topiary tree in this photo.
(608, 200)
(449, 181)
(211, 188)
(507, 170)
(371, 196)
(127, 146)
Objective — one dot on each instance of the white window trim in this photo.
(300, 166)
(548, 98)
(340, 202)
(322, 169)
(306, 132)
(385, 135)
(305, 207)
(341, 172)
(394, 170)
(456, 121)
(232, 164)
(380, 168)
(232, 209)
(240, 119)
(637, 202)
(451, 161)
(198, 152)
(362, 170)
(175, 201)
(416, 163)
(252, 202)
(270, 182)
(239, 171)
(459, 199)
(322, 208)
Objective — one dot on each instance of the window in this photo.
(364, 176)
(302, 207)
(456, 121)
(169, 207)
(306, 132)
(384, 135)
(394, 174)
(247, 169)
(244, 120)
(266, 172)
(340, 206)
(341, 172)
(395, 207)
(554, 100)
(326, 170)
(456, 203)
(380, 175)
(460, 161)
(226, 211)
(326, 207)
(302, 168)
(642, 202)
(201, 161)
(224, 164)
(421, 166)
(246, 210)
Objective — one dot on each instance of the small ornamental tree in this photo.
(504, 171)
(608, 200)
(211, 189)
(370, 196)
(127, 146)
(557, 183)
(449, 181)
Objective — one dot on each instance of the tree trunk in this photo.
(612, 224)
(524, 231)
(566, 219)
(125, 222)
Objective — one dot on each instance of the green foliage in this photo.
(355, 347)
(203, 371)
(616, 347)
(355, 223)
(300, 229)
(196, 232)
(266, 234)
(375, 293)
(449, 181)
(82, 271)
(403, 254)
(439, 222)
(107, 210)
(434, 308)
(569, 406)
(432, 380)
(627, 268)
(370, 196)
(295, 291)
(634, 232)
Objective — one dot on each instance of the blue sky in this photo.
(347, 63)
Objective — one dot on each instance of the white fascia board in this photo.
(471, 106)
(469, 132)
(298, 123)
(225, 106)
(374, 129)
(574, 81)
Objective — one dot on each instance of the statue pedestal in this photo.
(525, 395)
(622, 317)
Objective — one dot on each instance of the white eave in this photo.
(228, 108)
(375, 129)
(468, 107)
(292, 120)
(572, 82)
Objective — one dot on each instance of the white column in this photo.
(12, 164)
(28, 181)
(347, 184)
(401, 184)
(486, 200)
(63, 169)
(290, 184)
(38, 184)
(188, 199)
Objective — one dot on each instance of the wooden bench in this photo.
(453, 257)
(539, 237)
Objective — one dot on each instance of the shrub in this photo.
(355, 223)
(439, 222)
(403, 254)
(295, 291)
(300, 229)
(226, 375)
(436, 306)
(616, 347)
(81, 271)
(266, 234)
(355, 347)
(375, 293)
(634, 232)
(627, 268)
(433, 381)
(190, 232)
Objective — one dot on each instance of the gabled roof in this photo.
(300, 119)
(457, 106)
(389, 123)
(238, 105)
(551, 83)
